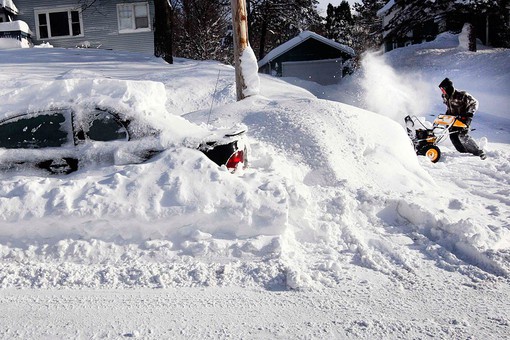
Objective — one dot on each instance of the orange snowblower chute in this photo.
(447, 120)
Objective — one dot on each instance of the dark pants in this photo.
(463, 142)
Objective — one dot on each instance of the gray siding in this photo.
(100, 26)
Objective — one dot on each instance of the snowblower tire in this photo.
(432, 152)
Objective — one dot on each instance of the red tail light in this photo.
(235, 159)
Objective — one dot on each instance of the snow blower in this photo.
(425, 140)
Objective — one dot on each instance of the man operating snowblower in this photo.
(463, 106)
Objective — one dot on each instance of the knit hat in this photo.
(447, 85)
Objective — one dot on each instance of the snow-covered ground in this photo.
(335, 230)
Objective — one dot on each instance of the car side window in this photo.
(104, 127)
(34, 131)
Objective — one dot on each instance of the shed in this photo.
(308, 56)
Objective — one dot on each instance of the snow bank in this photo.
(7, 43)
(329, 185)
(340, 144)
(174, 191)
(179, 192)
(180, 197)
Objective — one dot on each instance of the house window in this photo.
(57, 23)
(133, 17)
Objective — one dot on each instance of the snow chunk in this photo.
(464, 37)
(9, 5)
(44, 45)
(249, 70)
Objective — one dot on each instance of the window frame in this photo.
(133, 28)
(48, 11)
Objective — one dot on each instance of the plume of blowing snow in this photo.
(392, 94)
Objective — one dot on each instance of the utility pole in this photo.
(240, 29)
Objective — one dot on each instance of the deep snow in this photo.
(335, 230)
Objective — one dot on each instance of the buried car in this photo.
(65, 139)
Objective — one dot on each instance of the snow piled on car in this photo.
(143, 102)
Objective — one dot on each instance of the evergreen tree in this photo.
(413, 14)
(339, 23)
(479, 13)
(502, 21)
(200, 29)
(367, 31)
(272, 22)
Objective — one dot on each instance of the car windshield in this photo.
(33, 131)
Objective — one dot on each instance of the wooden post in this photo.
(472, 37)
(487, 29)
(240, 30)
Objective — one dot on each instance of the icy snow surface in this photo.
(335, 230)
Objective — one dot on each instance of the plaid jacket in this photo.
(460, 104)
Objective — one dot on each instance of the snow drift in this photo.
(330, 187)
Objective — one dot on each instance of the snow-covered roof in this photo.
(9, 5)
(278, 51)
(385, 8)
(17, 25)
